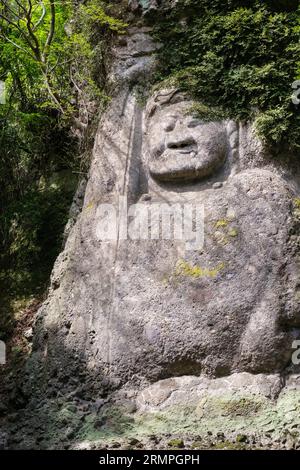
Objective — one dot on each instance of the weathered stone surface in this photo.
(182, 147)
(133, 59)
(143, 310)
(191, 390)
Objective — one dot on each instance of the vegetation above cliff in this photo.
(239, 58)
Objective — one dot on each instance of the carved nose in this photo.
(177, 142)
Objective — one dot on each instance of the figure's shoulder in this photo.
(263, 182)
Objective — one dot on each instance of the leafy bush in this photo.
(239, 56)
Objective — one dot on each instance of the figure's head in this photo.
(180, 146)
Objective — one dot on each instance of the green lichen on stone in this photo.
(238, 417)
(113, 422)
(221, 223)
(183, 268)
(224, 231)
(233, 232)
(296, 202)
(196, 445)
(228, 445)
(176, 443)
(230, 406)
(296, 208)
(206, 113)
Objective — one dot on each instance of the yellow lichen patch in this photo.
(296, 207)
(183, 268)
(90, 205)
(221, 223)
(297, 202)
(224, 230)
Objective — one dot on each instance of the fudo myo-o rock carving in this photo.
(145, 309)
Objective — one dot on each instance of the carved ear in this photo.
(151, 110)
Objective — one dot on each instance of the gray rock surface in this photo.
(187, 390)
(181, 147)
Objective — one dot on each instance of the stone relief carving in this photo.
(182, 147)
(150, 309)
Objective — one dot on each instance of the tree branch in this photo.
(20, 5)
(5, 3)
(36, 48)
(17, 46)
(52, 28)
(42, 16)
(15, 25)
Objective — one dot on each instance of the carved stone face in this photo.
(182, 147)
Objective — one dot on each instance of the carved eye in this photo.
(169, 125)
(195, 123)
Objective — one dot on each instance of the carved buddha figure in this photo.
(151, 308)
(219, 309)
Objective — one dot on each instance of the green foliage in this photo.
(43, 67)
(31, 231)
(34, 227)
(50, 84)
(240, 57)
(94, 16)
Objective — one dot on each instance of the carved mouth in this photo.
(192, 149)
(184, 147)
(174, 150)
(181, 154)
(185, 163)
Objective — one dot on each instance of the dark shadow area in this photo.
(48, 406)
